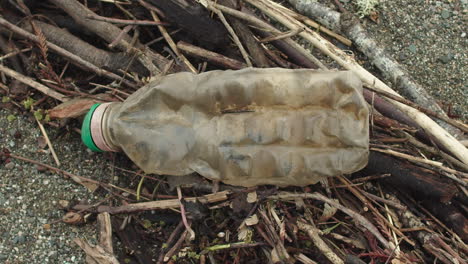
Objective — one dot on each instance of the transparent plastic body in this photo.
(247, 127)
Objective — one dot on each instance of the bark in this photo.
(195, 20)
(421, 183)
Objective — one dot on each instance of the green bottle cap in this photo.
(86, 136)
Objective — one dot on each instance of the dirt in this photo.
(428, 37)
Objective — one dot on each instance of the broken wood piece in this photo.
(164, 204)
(51, 147)
(105, 232)
(97, 253)
(215, 58)
(430, 126)
(126, 21)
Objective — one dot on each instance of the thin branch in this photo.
(30, 82)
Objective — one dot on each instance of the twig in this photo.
(262, 25)
(235, 38)
(183, 215)
(284, 35)
(164, 204)
(402, 100)
(349, 63)
(169, 241)
(436, 164)
(412, 140)
(317, 196)
(315, 25)
(176, 246)
(318, 242)
(394, 204)
(30, 82)
(72, 57)
(365, 201)
(126, 21)
(210, 56)
(372, 177)
(172, 44)
(304, 259)
(14, 53)
(232, 246)
(44, 133)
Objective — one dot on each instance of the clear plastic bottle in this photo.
(247, 127)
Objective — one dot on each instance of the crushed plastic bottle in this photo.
(247, 127)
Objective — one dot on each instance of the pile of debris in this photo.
(407, 206)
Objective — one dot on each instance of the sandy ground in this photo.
(428, 38)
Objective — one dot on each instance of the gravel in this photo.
(29, 196)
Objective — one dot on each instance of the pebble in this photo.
(9, 165)
(412, 48)
(463, 34)
(445, 14)
(446, 58)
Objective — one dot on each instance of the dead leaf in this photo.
(252, 197)
(252, 220)
(328, 212)
(72, 218)
(76, 107)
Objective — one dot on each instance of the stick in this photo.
(72, 57)
(402, 100)
(172, 44)
(268, 28)
(210, 56)
(164, 204)
(357, 217)
(319, 243)
(183, 215)
(44, 133)
(235, 38)
(126, 21)
(426, 161)
(349, 63)
(30, 82)
(284, 35)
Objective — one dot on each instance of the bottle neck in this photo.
(100, 127)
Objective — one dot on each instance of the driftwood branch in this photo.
(390, 68)
(346, 61)
(210, 56)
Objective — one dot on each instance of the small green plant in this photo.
(6, 99)
(28, 103)
(11, 118)
(366, 7)
(39, 114)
